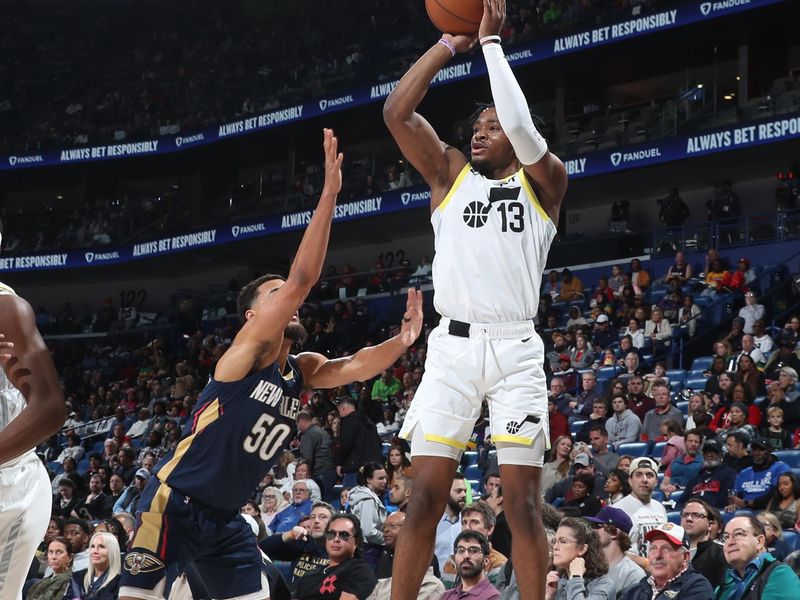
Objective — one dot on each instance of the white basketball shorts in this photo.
(503, 363)
(25, 503)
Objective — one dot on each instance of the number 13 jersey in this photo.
(234, 436)
(491, 240)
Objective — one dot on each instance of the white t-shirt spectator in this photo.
(644, 516)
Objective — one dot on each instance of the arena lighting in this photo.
(699, 86)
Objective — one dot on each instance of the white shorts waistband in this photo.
(510, 330)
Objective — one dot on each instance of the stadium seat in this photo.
(744, 512)
(792, 538)
(701, 363)
(386, 446)
(698, 374)
(676, 496)
(658, 495)
(790, 457)
(576, 426)
(473, 472)
(470, 458)
(634, 449)
(658, 450)
(83, 466)
(676, 375)
(695, 384)
(674, 517)
(606, 373)
(675, 386)
(285, 568)
(98, 447)
(558, 502)
(683, 407)
(55, 466)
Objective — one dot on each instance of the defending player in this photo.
(494, 219)
(31, 410)
(189, 512)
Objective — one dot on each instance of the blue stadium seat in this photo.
(474, 472)
(657, 294)
(744, 512)
(792, 538)
(674, 516)
(576, 426)
(558, 502)
(695, 384)
(285, 568)
(758, 401)
(676, 496)
(676, 375)
(606, 373)
(98, 447)
(56, 467)
(470, 458)
(658, 495)
(83, 466)
(701, 363)
(658, 450)
(695, 374)
(492, 455)
(790, 457)
(386, 446)
(634, 449)
(675, 386)
(683, 407)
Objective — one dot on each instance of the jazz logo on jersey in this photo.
(476, 214)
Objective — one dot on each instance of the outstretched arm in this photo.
(437, 162)
(320, 372)
(545, 171)
(261, 335)
(29, 366)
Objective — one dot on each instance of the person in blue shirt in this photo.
(754, 486)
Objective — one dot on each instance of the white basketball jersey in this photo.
(12, 402)
(491, 239)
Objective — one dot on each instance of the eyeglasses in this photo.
(737, 535)
(693, 515)
(472, 550)
(563, 542)
(332, 534)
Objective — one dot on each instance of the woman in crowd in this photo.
(748, 375)
(675, 447)
(716, 369)
(252, 508)
(101, 579)
(581, 495)
(785, 501)
(347, 576)
(272, 502)
(65, 502)
(733, 419)
(55, 587)
(774, 543)
(614, 388)
(624, 462)
(582, 355)
(557, 467)
(617, 485)
(697, 402)
(659, 372)
(115, 528)
(55, 528)
(580, 565)
(722, 397)
(640, 279)
(397, 464)
(367, 506)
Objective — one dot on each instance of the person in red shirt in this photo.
(558, 422)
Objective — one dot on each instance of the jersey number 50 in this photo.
(265, 439)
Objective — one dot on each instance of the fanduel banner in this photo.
(472, 66)
(586, 165)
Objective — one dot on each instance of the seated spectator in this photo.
(663, 410)
(129, 499)
(774, 542)
(566, 373)
(579, 562)
(582, 356)
(631, 367)
(716, 278)
(713, 481)
(479, 518)
(66, 501)
(689, 315)
(582, 463)
(571, 287)
(754, 485)
(751, 565)
(776, 435)
(640, 279)
(743, 277)
(59, 559)
(738, 457)
(560, 397)
(657, 333)
(95, 504)
(101, 580)
(559, 464)
(576, 319)
(787, 378)
(679, 269)
(367, 505)
(603, 458)
(684, 467)
(624, 426)
(73, 449)
(752, 311)
(301, 506)
(603, 295)
(422, 274)
(659, 374)
(599, 415)
(552, 287)
(603, 335)
(697, 404)
(617, 281)
(635, 332)
(612, 526)
(761, 339)
(785, 501)
(734, 338)
(669, 306)
(581, 405)
(558, 422)
(777, 397)
(559, 349)
(699, 519)
(735, 420)
(471, 551)
(672, 574)
(581, 495)
(617, 485)
(749, 349)
(748, 375)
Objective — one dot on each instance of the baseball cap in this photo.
(674, 534)
(789, 371)
(760, 442)
(712, 446)
(609, 515)
(143, 473)
(601, 319)
(564, 357)
(582, 459)
(643, 462)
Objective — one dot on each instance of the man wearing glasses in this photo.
(754, 572)
(671, 574)
(301, 506)
(706, 554)
(471, 550)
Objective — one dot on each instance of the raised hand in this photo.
(462, 42)
(333, 163)
(411, 326)
(494, 15)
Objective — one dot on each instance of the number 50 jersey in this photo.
(233, 436)
(492, 238)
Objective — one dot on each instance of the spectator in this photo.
(639, 402)
(754, 486)
(603, 335)
(582, 356)
(697, 519)
(735, 420)
(785, 501)
(304, 547)
(657, 333)
(683, 469)
(689, 315)
(640, 279)
(775, 434)
(787, 378)
(59, 560)
(663, 410)
(751, 311)
(603, 458)
(571, 287)
(140, 427)
(671, 571)
(359, 442)
(316, 448)
(101, 579)
(612, 526)
(716, 278)
(742, 278)
(552, 287)
(575, 319)
(761, 340)
(784, 357)
(345, 572)
(501, 536)
(737, 457)
(751, 566)
(272, 502)
(631, 366)
(450, 524)
(557, 421)
(66, 501)
(480, 518)
(366, 504)
(624, 426)
(774, 542)
(386, 387)
(748, 375)
(749, 349)
(563, 489)
(680, 269)
(580, 565)
(581, 406)
(617, 485)
(471, 550)
(599, 416)
(558, 466)
(73, 450)
(129, 499)
(581, 495)
(300, 507)
(645, 513)
(94, 504)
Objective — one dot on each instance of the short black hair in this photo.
(482, 106)
(601, 428)
(248, 293)
(82, 523)
(476, 536)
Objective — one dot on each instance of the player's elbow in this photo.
(392, 115)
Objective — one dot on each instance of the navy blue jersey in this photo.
(233, 436)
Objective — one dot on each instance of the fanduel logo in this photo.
(709, 7)
(705, 8)
(616, 157)
(238, 230)
(12, 160)
(102, 256)
(408, 198)
(323, 104)
(34, 158)
(180, 141)
(628, 157)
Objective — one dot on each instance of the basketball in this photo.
(455, 16)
